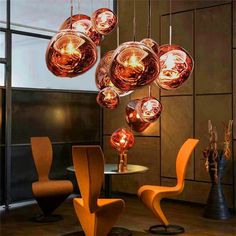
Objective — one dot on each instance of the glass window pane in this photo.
(29, 68)
(2, 44)
(3, 13)
(47, 15)
(2, 74)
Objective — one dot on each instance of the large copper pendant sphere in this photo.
(151, 44)
(82, 23)
(133, 119)
(70, 53)
(149, 109)
(133, 65)
(108, 98)
(176, 67)
(104, 20)
(122, 140)
(102, 78)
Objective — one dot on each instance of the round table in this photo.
(111, 169)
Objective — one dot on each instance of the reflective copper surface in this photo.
(133, 119)
(104, 20)
(108, 98)
(176, 67)
(70, 53)
(102, 78)
(82, 23)
(122, 140)
(151, 44)
(133, 65)
(149, 109)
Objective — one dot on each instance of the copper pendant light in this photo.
(70, 53)
(108, 98)
(104, 20)
(132, 117)
(82, 23)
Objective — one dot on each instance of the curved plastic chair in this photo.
(97, 216)
(48, 193)
(151, 195)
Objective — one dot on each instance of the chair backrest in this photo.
(183, 157)
(89, 169)
(42, 153)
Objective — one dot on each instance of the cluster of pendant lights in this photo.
(132, 65)
(72, 51)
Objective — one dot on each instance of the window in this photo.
(48, 15)
(3, 11)
(2, 44)
(29, 69)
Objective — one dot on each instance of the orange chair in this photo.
(151, 195)
(48, 193)
(97, 216)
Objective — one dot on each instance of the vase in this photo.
(216, 207)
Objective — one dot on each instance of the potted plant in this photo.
(216, 156)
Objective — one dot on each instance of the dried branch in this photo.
(227, 139)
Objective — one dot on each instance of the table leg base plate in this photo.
(166, 229)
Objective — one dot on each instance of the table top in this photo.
(111, 169)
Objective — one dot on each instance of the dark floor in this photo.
(136, 218)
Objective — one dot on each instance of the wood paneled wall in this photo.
(66, 117)
(207, 29)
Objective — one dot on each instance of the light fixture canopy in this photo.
(104, 20)
(176, 67)
(70, 53)
(133, 65)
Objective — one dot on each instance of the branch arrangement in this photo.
(211, 153)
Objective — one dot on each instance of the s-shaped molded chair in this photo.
(151, 195)
(48, 193)
(97, 216)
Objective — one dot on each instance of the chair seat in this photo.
(52, 188)
(157, 189)
(101, 202)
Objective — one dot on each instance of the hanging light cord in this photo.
(134, 23)
(149, 35)
(170, 27)
(71, 13)
(118, 27)
(78, 6)
(92, 6)
(149, 19)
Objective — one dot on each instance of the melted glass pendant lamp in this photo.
(104, 20)
(133, 65)
(70, 53)
(149, 109)
(108, 98)
(151, 44)
(101, 76)
(82, 23)
(122, 140)
(176, 67)
(133, 119)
